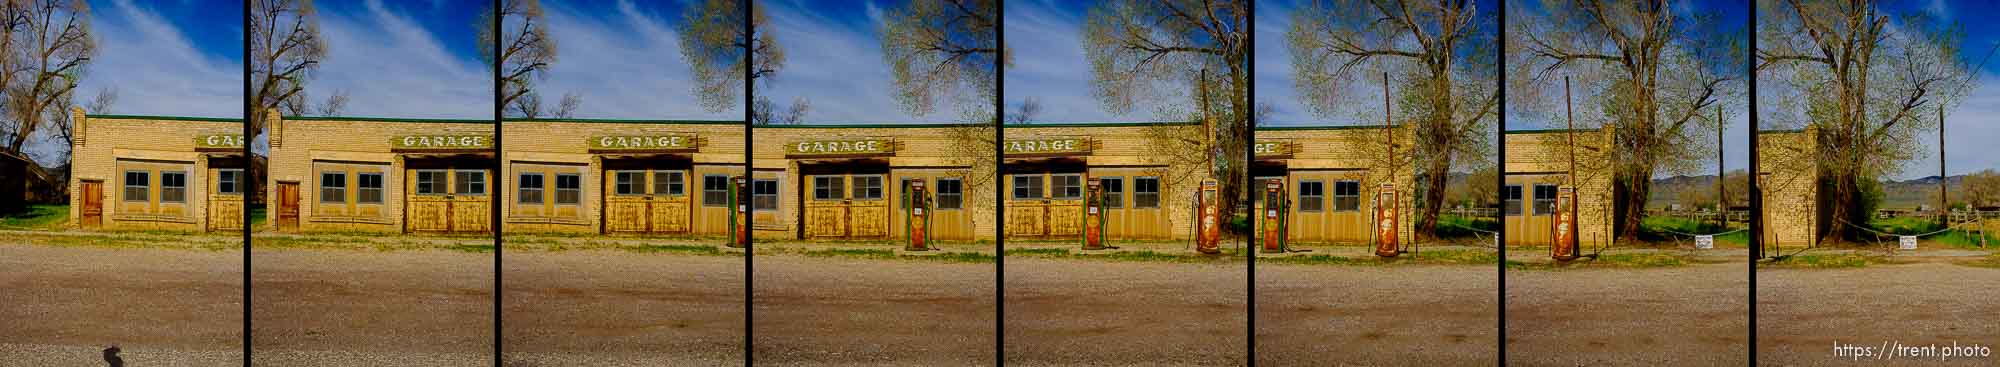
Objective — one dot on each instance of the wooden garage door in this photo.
(1529, 209)
(846, 205)
(647, 201)
(448, 200)
(225, 199)
(1047, 205)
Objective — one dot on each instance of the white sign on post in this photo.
(1908, 242)
(1704, 242)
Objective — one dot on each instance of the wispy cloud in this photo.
(391, 65)
(1049, 65)
(836, 63)
(156, 69)
(624, 63)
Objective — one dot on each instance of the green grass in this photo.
(257, 217)
(1126, 256)
(1825, 261)
(1437, 257)
(1453, 226)
(1655, 228)
(1625, 260)
(880, 254)
(1913, 225)
(1990, 261)
(40, 216)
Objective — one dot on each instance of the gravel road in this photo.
(835, 311)
(398, 308)
(1114, 313)
(1352, 315)
(1695, 315)
(616, 308)
(1801, 313)
(61, 306)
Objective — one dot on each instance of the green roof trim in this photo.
(1781, 131)
(1098, 124)
(1323, 127)
(860, 126)
(174, 118)
(384, 119)
(1549, 131)
(626, 121)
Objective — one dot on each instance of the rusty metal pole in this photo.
(1721, 173)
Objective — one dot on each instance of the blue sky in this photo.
(180, 58)
(417, 59)
(1046, 38)
(623, 58)
(1274, 67)
(834, 60)
(1976, 121)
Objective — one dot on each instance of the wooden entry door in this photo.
(1048, 205)
(447, 200)
(647, 201)
(847, 206)
(93, 203)
(288, 206)
(225, 199)
(1529, 210)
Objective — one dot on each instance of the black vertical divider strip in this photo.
(493, 200)
(999, 208)
(1250, 184)
(1756, 194)
(1500, 189)
(250, 185)
(750, 241)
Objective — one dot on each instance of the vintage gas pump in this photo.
(1093, 216)
(1208, 222)
(1276, 208)
(919, 218)
(1386, 222)
(1565, 246)
(739, 212)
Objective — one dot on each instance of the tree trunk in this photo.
(1433, 198)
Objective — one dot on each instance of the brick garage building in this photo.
(1148, 173)
(352, 174)
(849, 181)
(1787, 173)
(1332, 176)
(654, 177)
(156, 172)
(1540, 163)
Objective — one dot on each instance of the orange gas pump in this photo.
(1565, 246)
(1093, 216)
(919, 218)
(739, 212)
(1386, 223)
(1276, 208)
(1208, 223)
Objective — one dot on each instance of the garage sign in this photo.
(668, 142)
(841, 146)
(441, 142)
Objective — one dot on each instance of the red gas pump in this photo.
(1276, 208)
(1565, 246)
(739, 212)
(919, 218)
(1386, 222)
(1093, 216)
(1208, 223)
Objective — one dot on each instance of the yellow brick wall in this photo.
(1138, 146)
(1346, 150)
(297, 143)
(100, 142)
(720, 151)
(923, 151)
(1537, 155)
(1787, 175)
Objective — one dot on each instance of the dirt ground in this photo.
(1067, 312)
(355, 307)
(61, 306)
(834, 311)
(1696, 315)
(1802, 313)
(570, 308)
(1358, 315)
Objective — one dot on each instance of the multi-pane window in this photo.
(1027, 187)
(136, 184)
(628, 183)
(905, 198)
(569, 188)
(715, 190)
(1113, 189)
(1066, 186)
(530, 188)
(950, 193)
(471, 183)
(173, 187)
(867, 187)
(333, 187)
(827, 187)
(1145, 192)
(670, 183)
(369, 188)
(1510, 198)
(229, 182)
(1312, 196)
(1545, 199)
(430, 182)
(764, 195)
(1257, 189)
(1346, 196)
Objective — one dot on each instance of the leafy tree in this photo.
(716, 46)
(1443, 58)
(526, 53)
(948, 51)
(1191, 55)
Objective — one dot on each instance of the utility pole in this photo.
(1944, 198)
(1569, 119)
(1389, 126)
(1721, 172)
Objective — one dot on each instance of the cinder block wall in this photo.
(297, 142)
(1361, 148)
(720, 150)
(99, 142)
(1788, 174)
(1549, 151)
(933, 149)
(1136, 145)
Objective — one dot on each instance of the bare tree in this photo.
(716, 46)
(526, 53)
(1029, 111)
(48, 45)
(1193, 52)
(1652, 77)
(1438, 48)
(285, 51)
(1870, 86)
(943, 50)
(334, 104)
(767, 113)
(1981, 189)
